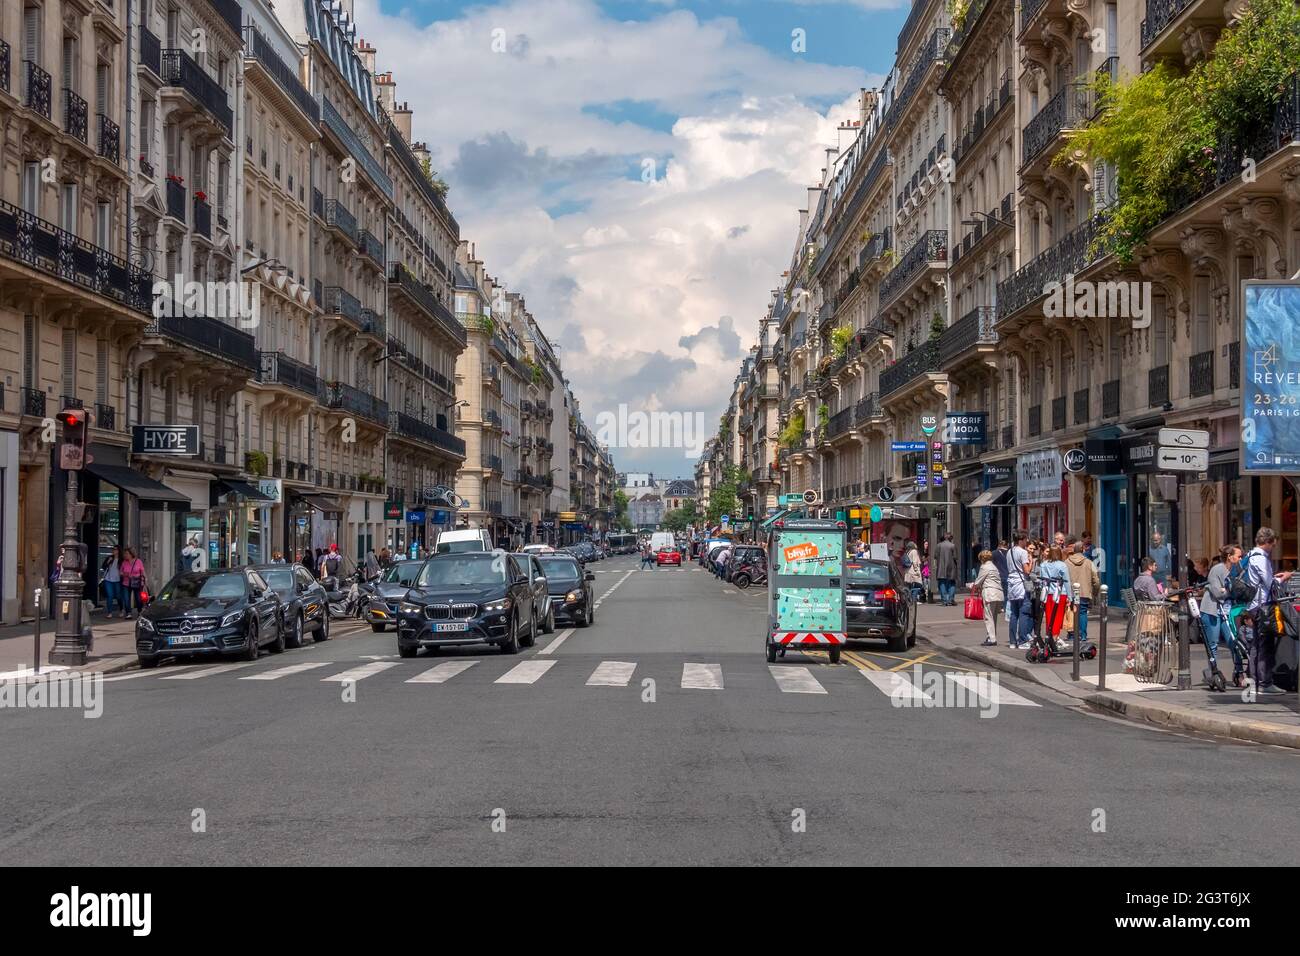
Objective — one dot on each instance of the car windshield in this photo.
(281, 579)
(458, 571)
(560, 571)
(216, 587)
(460, 547)
(404, 572)
(868, 573)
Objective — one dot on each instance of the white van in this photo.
(663, 541)
(462, 540)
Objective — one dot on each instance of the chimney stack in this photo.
(402, 120)
(367, 53)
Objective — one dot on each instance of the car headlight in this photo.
(406, 607)
(575, 595)
(231, 618)
(503, 605)
(145, 624)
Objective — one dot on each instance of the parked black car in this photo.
(541, 594)
(878, 603)
(389, 591)
(469, 598)
(302, 599)
(569, 587)
(209, 613)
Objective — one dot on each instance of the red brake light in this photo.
(887, 594)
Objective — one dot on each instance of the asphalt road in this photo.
(660, 735)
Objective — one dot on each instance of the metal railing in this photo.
(180, 70)
(1068, 109)
(1035, 421)
(402, 278)
(408, 426)
(202, 218)
(340, 217)
(351, 399)
(1082, 405)
(923, 359)
(339, 301)
(1058, 413)
(1200, 374)
(337, 125)
(76, 115)
(36, 89)
(371, 247)
(211, 336)
(176, 200)
(150, 51)
(972, 329)
(1160, 13)
(1069, 256)
(1158, 385)
(931, 52)
(105, 417)
(280, 369)
(932, 246)
(109, 143)
(1110, 393)
(258, 49)
(5, 55)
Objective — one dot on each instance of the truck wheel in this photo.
(771, 653)
(834, 653)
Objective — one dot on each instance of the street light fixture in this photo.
(273, 263)
(991, 218)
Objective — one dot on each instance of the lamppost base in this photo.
(68, 658)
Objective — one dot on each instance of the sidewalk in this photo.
(1272, 720)
(114, 648)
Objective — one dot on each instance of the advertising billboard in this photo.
(1270, 385)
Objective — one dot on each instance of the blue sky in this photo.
(634, 168)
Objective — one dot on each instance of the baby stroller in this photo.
(1228, 628)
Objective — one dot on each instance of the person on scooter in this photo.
(1055, 577)
(1216, 609)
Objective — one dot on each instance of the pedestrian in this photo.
(1216, 609)
(1259, 571)
(1019, 588)
(945, 569)
(1054, 576)
(1001, 560)
(1163, 557)
(192, 556)
(987, 586)
(1145, 587)
(372, 565)
(912, 569)
(1094, 553)
(1083, 573)
(647, 557)
(133, 582)
(331, 561)
(112, 571)
(1198, 572)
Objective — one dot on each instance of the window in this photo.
(173, 27)
(69, 370)
(101, 371)
(32, 188)
(104, 225)
(31, 352)
(32, 34)
(68, 207)
(103, 80)
(70, 63)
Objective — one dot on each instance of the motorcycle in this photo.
(749, 574)
(346, 599)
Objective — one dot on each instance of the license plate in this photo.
(185, 639)
(454, 626)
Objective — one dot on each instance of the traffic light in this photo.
(72, 444)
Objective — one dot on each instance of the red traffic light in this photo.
(72, 417)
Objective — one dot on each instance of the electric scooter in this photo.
(1043, 647)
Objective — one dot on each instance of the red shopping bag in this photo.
(974, 610)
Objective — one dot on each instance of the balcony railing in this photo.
(176, 200)
(1234, 365)
(229, 11)
(179, 70)
(371, 247)
(1071, 255)
(1058, 413)
(932, 246)
(211, 336)
(337, 125)
(972, 329)
(76, 117)
(1070, 108)
(840, 423)
(279, 369)
(36, 89)
(258, 49)
(1082, 401)
(491, 462)
(913, 365)
(5, 55)
(1110, 392)
(105, 417)
(866, 409)
(1028, 10)
(408, 426)
(33, 402)
(109, 143)
(62, 255)
(150, 51)
(1158, 385)
(406, 282)
(349, 398)
(339, 301)
(202, 218)
(1200, 374)
(931, 52)
(1160, 13)
(341, 218)
(1035, 421)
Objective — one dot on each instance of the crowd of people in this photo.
(1032, 583)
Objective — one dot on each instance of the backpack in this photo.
(1240, 591)
(332, 563)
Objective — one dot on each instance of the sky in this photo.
(634, 168)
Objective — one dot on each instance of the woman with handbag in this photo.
(132, 572)
(987, 597)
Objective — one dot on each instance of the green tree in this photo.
(680, 519)
(437, 182)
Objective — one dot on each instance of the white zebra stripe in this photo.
(360, 673)
(795, 680)
(285, 671)
(441, 673)
(702, 677)
(611, 674)
(525, 672)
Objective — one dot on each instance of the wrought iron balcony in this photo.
(973, 11)
(43, 246)
(867, 409)
(1161, 13)
(349, 398)
(76, 117)
(202, 218)
(279, 369)
(491, 462)
(336, 124)
(150, 51)
(1200, 374)
(341, 302)
(1234, 365)
(260, 51)
(1071, 255)
(105, 417)
(1035, 421)
(373, 323)
(931, 247)
(36, 89)
(371, 248)
(176, 200)
(1110, 392)
(973, 329)
(109, 140)
(916, 363)
(1058, 413)
(404, 281)
(229, 11)
(33, 402)
(932, 51)
(1158, 385)
(179, 70)
(211, 336)
(876, 247)
(1028, 10)
(1069, 109)
(5, 54)
(340, 217)
(408, 426)
(840, 423)
(1082, 403)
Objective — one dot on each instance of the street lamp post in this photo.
(69, 649)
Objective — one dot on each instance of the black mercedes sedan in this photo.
(570, 589)
(468, 598)
(210, 613)
(306, 611)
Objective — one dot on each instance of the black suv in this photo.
(569, 587)
(305, 609)
(207, 613)
(468, 598)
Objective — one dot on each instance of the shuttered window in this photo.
(31, 352)
(101, 371)
(69, 359)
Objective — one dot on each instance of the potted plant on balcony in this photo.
(178, 180)
(840, 338)
(255, 463)
(201, 196)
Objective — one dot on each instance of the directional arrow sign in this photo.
(1184, 438)
(1182, 459)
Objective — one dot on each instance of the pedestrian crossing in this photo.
(931, 688)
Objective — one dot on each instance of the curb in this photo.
(1131, 706)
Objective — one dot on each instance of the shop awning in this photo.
(767, 523)
(241, 489)
(153, 495)
(995, 497)
(326, 505)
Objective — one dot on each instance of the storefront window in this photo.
(220, 538)
(189, 529)
(256, 551)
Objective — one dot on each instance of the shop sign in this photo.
(1074, 460)
(1038, 477)
(1102, 456)
(415, 516)
(966, 428)
(440, 516)
(271, 488)
(1139, 454)
(999, 473)
(165, 439)
(393, 510)
(1270, 386)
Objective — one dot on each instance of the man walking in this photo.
(1019, 599)
(945, 569)
(1259, 574)
(1083, 573)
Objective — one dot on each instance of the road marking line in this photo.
(895, 686)
(989, 691)
(795, 680)
(198, 672)
(285, 671)
(702, 677)
(525, 672)
(907, 664)
(355, 674)
(130, 676)
(861, 661)
(559, 639)
(611, 674)
(441, 673)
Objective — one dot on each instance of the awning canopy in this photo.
(153, 495)
(767, 524)
(995, 497)
(326, 505)
(241, 489)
